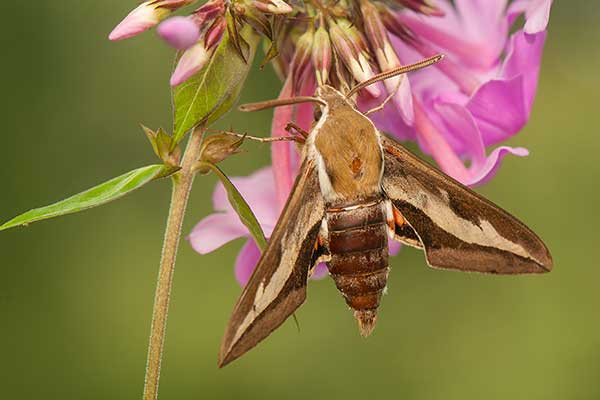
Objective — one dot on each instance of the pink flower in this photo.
(481, 94)
(179, 32)
(145, 16)
(224, 225)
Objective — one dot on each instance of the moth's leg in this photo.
(293, 128)
(387, 99)
(297, 139)
(399, 228)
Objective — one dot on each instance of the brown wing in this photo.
(458, 228)
(278, 285)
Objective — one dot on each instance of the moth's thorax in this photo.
(347, 150)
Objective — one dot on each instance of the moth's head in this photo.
(333, 97)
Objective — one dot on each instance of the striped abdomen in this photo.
(358, 245)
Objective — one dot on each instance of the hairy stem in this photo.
(182, 184)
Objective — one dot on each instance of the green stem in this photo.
(182, 185)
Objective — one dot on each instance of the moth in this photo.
(355, 190)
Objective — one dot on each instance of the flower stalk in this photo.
(182, 185)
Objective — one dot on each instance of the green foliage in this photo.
(239, 205)
(212, 92)
(101, 194)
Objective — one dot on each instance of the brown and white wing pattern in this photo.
(458, 228)
(278, 285)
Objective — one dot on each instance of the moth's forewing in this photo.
(278, 285)
(458, 228)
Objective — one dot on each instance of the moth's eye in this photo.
(318, 113)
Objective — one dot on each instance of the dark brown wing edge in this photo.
(278, 285)
(458, 228)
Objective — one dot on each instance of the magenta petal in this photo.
(281, 152)
(537, 14)
(214, 231)
(246, 262)
(179, 32)
(524, 58)
(394, 247)
(487, 171)
(320, 271)
(500, 109)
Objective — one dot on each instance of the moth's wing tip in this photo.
(225, 356)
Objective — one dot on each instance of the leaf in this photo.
(211, 93)
(101, 194)
(240, 206)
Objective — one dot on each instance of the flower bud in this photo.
(321, 55)
(388, 60)
(208, 12)
(214, 34)
(145, 16)
(217, 148)
(351, 48)
(272, 6)
(192, 61)
(302, 56)
(179, 32)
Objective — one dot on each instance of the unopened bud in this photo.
(145, 16)
(272, 6)
(321, 55)
(348, 44)
(214, 34)
(179, 32)
(192, 61)
(210, 10)
(388, 60)
(302, 56)
(217, 148)
(163, 146)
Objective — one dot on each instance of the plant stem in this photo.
(182, 185)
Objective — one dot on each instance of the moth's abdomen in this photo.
(358, 244)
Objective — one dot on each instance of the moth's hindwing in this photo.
(278, 285)
(458, 228)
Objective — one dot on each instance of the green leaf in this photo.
(240, 206)
(101, 194)
(211, 93)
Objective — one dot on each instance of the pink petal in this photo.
(192, 61)
(394, 247)
(142, 18)
(537, 14)
(320, 271)
(246, 262)
(431, 138)
(487, 171)
(500, 109)
(524, 58)
(179, 32)
(281, 151)
(214, 231)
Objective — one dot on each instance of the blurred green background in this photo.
(76, 293)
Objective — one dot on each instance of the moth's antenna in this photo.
(280, 102)
(398, 71)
